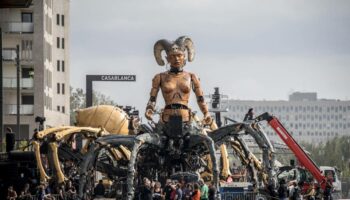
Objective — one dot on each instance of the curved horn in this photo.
(159, 46)
(186, 42)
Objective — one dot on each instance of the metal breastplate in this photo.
(176, 88)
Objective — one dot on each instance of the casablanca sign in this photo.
(91, 78)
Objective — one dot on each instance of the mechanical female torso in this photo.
(176, 84)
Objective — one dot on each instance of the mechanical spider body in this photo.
(177, 149)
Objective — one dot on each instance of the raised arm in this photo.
(153, 97)
(200, 98)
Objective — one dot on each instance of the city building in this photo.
(42, 33)
(306, 117)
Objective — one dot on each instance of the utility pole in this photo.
(18, 96)
(1, 95)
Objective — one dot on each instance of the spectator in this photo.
(291, 190)
(178, 195)
(47, 192)
(60, 192)
(296, 191)
(173, 191)
(167, 189)
(187, 192)
(211, 192)
(25, 193)
(310, 193)
(157, 191)
(204, 190)
(318, 193)
(282, 190)
(40, 193)
(99, 190)
(11, 193)
(146, 190)
(70, 190)
(196, 195)
(327, 194)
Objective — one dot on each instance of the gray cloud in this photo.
(252, 49)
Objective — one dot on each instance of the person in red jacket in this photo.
(196, 193)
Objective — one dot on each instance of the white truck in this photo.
(332, 172)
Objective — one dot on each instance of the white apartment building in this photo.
(42, 33)
(305, 116)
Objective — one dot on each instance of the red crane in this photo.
(287, 138)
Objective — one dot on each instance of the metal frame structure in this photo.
(91, 78)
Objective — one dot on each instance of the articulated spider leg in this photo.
(140, 140)
(40, 136)
(44, 133)
(43, 176)
(96, 132)
(66, 133)
(60, 176)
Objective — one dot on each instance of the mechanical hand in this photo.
(207, 120)
(149, 113)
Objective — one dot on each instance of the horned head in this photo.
(180, 45)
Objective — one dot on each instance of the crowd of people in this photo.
(293, 191)
(43, 192)
(176, 190)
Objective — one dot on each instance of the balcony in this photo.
(9, 54)
(17, 27)
(11, 109)
(26, 83)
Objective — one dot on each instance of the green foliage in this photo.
(78, 101)
(335, 152)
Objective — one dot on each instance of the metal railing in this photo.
(17, 27)
(11, 109)
(242, 196)
(9, 54)
(12, 83)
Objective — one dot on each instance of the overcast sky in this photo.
(251, 49)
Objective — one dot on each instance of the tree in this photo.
(335, 152)
(78, 101)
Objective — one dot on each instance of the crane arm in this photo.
(301, 155)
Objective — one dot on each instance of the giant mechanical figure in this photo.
(178, 145)
(175, 146)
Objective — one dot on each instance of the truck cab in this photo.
(332, 173)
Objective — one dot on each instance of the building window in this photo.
(27, 99)
(58, 108)
(58, 88)
(57, 19)
(62, 43)
(62, 65)
(26, 50)
(27, 17)
(63, 109)
(63, 88)
(58, 42)
(58, 65)
(62, 20)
